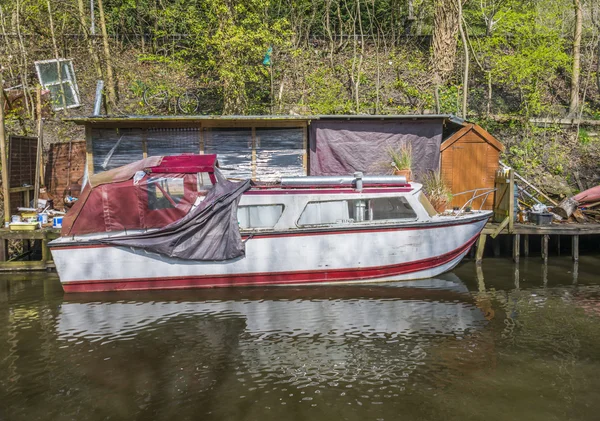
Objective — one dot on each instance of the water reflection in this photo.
(459, 346)
(442, 306)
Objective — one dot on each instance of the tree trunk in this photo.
(57, 57)
(445, 29)
(598, 67)
(574, 102)
(466, 64)
(87, 39)
(110, 82)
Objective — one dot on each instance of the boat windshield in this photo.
(356, 211)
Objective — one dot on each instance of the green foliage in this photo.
(401, 157)
(526, 50)
(326, 94)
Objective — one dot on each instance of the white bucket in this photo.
(16, 218)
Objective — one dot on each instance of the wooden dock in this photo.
(28, 238)
(524, 234)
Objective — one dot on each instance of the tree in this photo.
(445, 29)
(576, 68)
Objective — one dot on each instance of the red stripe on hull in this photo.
(262, 279)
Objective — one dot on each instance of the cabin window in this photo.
(359, 210)
(391, 208)
(317, 213)
(259, 216)
(165, 193)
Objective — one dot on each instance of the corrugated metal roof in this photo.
(233, 118)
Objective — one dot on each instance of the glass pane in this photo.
(48, 73)
(325, 213)
(391, 208)
(57, 99)
(265, 216)
(164, 193)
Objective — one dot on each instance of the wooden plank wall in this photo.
(65, 167)
(470, 163)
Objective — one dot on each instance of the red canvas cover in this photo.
(122, 206)
(112, 201)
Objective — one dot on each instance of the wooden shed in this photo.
(469, 160)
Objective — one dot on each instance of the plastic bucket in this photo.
(57, 222)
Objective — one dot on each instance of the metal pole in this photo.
(92, 25)
(3, 153)
(99, 96)
(271, 71)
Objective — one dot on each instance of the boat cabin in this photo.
(297, 203)
(150, 193)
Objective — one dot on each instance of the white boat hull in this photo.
(304, 257)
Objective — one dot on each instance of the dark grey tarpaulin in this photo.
(208, 232)
(341, 147)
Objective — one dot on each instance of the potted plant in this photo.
(436, 190)
(402, 161)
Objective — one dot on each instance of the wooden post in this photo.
(3, 152)
(253, 153)
(516, 246)
(545, 273)
(480, 279)
(46, 255)
(575, 272)
(575, 248)
(480, 248)
(89, 150)
(3, 249)
(305, 149)
(545, 238)
(526, 245)
(201, 140)
(558, 244)
(38, 155)
(496, 247)
(511, 202)
(144, 143)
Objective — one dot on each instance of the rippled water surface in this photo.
(502, 343)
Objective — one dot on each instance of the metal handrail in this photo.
(528, 184)
(486, 192)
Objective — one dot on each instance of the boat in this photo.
(175, 222)
(588, 196)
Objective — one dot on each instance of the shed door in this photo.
(470, 167)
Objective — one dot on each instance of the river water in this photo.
(501, 343)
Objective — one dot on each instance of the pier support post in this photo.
(526, 245)
(3, 250)
(575, 248)
(480, 248)
(496, 247)
(545, 238)
(545, 274)
(558, 244)
(516, 247)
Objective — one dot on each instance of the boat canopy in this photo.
(150, 193)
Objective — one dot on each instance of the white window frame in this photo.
(70, 80)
